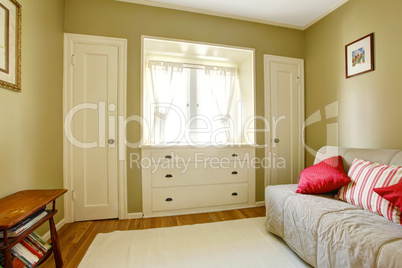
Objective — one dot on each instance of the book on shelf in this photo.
(26, 223)
(32, 249)
(35, 247)
(17, 263)
(28, 252)
(22, 253)
(40, 241)
(39, 246)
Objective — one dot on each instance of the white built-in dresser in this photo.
(183, 179)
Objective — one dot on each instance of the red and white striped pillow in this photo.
(365, 176)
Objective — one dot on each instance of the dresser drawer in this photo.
(176, 198)
(199, 174)
(199, 155)
(183, 179)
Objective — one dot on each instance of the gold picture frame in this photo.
(10, 45)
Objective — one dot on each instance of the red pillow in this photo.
(323, 177)
(391, 193)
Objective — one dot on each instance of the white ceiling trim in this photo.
(208, 12)
(231, 16)
(324, 14)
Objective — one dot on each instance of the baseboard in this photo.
(199, 210)
(137, 215)
(260, 203)
(60, 224)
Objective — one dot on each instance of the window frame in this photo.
(145, 134)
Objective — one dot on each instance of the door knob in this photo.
(276, 140)
(110, 141)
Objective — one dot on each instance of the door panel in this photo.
(95, 172)
(284, 109)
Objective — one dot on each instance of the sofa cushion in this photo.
(391, 254)
(365, 176)
(302, 216)
(323, 177)
(356, 238)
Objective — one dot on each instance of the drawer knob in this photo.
(169, 199)
(168, 156)
(234, 173)
(234, 194)
(235, 155)
(169, 176)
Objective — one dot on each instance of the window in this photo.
(195, 98)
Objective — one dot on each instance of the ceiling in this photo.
(299, 14)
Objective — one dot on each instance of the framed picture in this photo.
(10, 45)
(360, 56)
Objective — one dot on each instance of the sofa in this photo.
(326, 232)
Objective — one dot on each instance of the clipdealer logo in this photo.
(201, 161)
(112, 134)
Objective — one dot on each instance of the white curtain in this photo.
(222, 85)
(164, 76)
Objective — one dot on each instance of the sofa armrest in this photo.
(275, 198)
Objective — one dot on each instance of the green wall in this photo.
(31, 136)
(369, 105)
(126, 20)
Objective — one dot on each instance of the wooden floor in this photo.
(75, 238)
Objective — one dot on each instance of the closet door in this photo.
(284, 109)
(91, 129)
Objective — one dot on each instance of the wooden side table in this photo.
(19, 206)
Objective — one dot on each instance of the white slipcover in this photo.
(326, 232)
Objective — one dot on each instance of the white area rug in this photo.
(237, 243)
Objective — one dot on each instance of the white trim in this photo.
(253, 64)
(122, 99)
(248, 49)
(267, 114)
(137, 215)
(217, 45)
(260, 203)
(197, 210)
(204, 145)
(212, 13)
(68, 182)
(267, 104)
(324, 14)
(142, 73)
(60, 224)
(231, 16)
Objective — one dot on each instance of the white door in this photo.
(284, 109)
(91, 129)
